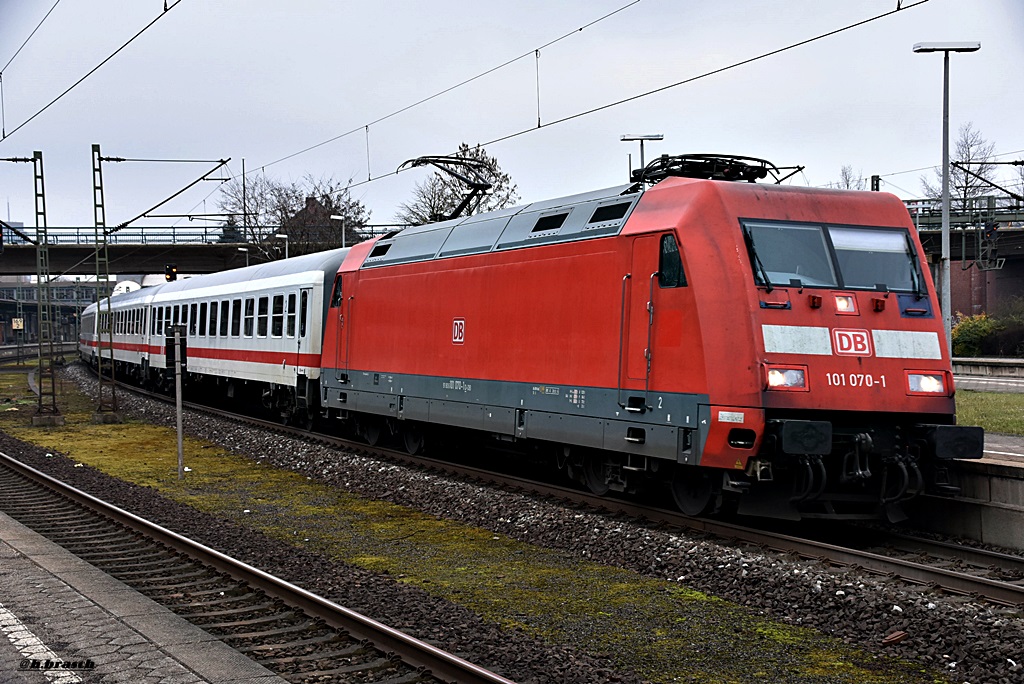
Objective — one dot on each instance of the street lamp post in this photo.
(283, 236)
(336, 217)
(945, 49)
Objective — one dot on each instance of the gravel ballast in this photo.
(971, 642)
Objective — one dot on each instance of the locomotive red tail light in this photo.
(787, 378)
(926, 384)
(846, 304)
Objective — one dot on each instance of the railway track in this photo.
(300, 636)
(952, 568)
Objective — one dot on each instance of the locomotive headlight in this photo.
(787, 378)
(846, 304)
(926, 383)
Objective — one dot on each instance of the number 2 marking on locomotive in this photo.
(458, 331)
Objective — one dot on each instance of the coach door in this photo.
(339, 309)
(302, 345)
(638, 324)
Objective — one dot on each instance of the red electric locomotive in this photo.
(774, 347)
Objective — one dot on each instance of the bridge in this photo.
(208, 249)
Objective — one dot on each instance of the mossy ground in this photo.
(996, 412)
(661, 630)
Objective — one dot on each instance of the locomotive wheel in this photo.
(371, 431)
(693, 490)
(412, 437)
(593, 475)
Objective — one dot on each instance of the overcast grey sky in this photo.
(262, 80)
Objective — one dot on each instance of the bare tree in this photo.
(972, 150)
(263, 207)
(440, 193)
(848, 180)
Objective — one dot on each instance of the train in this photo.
(744, 346)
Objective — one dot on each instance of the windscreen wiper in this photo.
(915, 272)
(757, 261)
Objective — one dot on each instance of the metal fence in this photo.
(127, 236)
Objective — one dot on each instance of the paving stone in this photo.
(62, 605)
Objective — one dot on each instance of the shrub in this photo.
(975, 335)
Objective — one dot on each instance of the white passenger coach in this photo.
(250, 330)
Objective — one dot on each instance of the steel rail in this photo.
(413, 652)
(996, 591)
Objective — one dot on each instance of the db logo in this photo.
(852, 342)
(458, 331)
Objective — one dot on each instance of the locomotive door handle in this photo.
(622, 332)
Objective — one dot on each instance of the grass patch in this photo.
(661, 630)
(994, 411)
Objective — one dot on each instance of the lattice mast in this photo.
(106, 398)
(45, 375)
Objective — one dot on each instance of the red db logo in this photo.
(851, 342)
(458, 331)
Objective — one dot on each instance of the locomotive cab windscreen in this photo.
(825, 256)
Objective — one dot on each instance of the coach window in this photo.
(261, 318)
(277, 319)
(193, 319)
(250, 315)
(303, 306)
(225, 311)
(336, 297)
(236, 317)
(670, 265)
(213, 319)
(202, 319)
(291, 315)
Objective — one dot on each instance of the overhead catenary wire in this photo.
(365, 127)
(96, 68)
(22, 46)
(530, 53)
(3, 116)
(661, 89)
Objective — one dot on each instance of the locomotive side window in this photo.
(552, 222)
(225, 311)
(236, 317)
(250, 315)
(336, 297)
(203, 314)
(291, 315)
(261, 319)
(670, 264)
(277, 316)
(610, 212)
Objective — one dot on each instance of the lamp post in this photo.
(336, 217)
(283, 236)
(628, 137)
(945, 49)
(246, 250)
